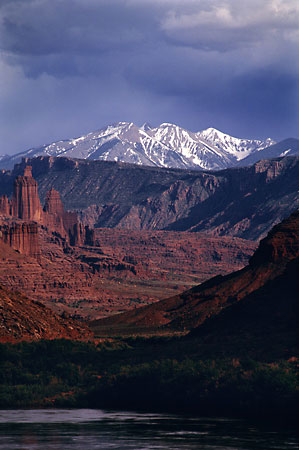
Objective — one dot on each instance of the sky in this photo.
(69, 67)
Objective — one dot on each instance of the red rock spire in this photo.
(53, 203)
(25, 202)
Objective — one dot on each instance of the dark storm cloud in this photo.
(68, 66)
(74, 27)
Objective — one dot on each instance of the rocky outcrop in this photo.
(192, 308)
(20, 216)
(22, 237)
(4, 206)
(25, 203)
(25, 320)
(54, 212)
(57, 220)
(25, 214)
(53, 204)
(66, 223)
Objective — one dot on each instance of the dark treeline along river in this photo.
(86, 429)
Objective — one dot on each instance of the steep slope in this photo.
(262, 323)
(23, 319)
(167, 145)
(243, 202)
(287, 147)
(192, 308)
(238, 148)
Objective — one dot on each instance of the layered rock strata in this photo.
(126, 269)
(22, 237)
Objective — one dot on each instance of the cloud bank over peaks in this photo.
(71, 66)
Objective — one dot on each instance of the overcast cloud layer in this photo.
(68, 67)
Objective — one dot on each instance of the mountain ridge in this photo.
(167, 145)
(243, 202)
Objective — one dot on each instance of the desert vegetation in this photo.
(144, 374)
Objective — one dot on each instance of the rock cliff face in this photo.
(20, 215)
(25, 203)
(66, 223)
(21, 236)
(243, 202)
(25, 320)
(192, 308)
(4, 206)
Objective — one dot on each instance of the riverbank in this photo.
(146, 374)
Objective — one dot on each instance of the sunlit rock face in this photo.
(21, 236)
(25, 202)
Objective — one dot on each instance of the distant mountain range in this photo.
(167, 145)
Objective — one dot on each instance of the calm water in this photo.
(86, 429)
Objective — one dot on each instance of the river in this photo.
(85, 429)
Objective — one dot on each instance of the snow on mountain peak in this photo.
(239, 148)
(167, 145)
(146, 126)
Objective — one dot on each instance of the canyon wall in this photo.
(21, 236)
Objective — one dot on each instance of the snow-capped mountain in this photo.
(167, 145)
(239, 148)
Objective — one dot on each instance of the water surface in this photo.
(84, 429)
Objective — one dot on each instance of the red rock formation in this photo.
(25, 320)
(66, 223)
(25, 202)
(18, 225)
(25, 206)
(126, 269)
(4, 206)
(53, 203)
(54, 213)
(21, 236)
